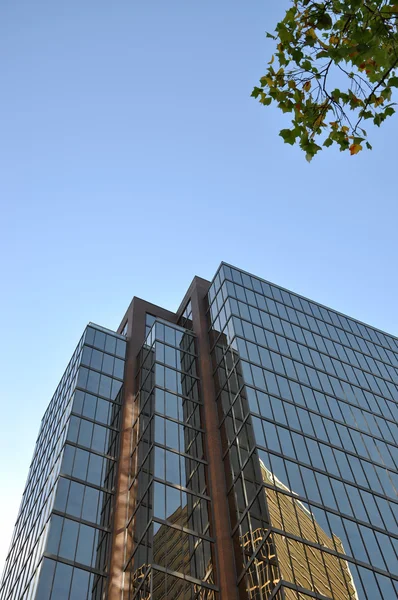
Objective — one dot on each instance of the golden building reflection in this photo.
(298, 562)
(174, 550)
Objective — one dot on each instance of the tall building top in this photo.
(244, 446)
(301, 297)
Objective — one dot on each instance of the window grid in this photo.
(169, 518)
(98, 435)
(310, 459)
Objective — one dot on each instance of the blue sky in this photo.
(126, 127)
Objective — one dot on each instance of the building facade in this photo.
(242, 448)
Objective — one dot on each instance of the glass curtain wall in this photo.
(61, 541)
(169, 543)
(308, 410)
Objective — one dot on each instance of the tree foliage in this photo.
(334, 67)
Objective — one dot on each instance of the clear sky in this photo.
(124, 128)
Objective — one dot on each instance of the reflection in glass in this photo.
(169, 527)
(280, 557)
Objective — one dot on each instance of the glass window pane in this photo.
(67, 547)
(80, 464)
(62, 494)
(107, 365)
(61, 584)
(90, 504)
(79, 589)
(54, 535)
(46, 579)
(172, 467)
(84, 553)
(75, 499)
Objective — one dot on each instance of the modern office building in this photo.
(242, 448)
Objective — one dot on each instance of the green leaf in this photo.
(286, 106)
(387, 93)
(256, 92)
(296, 55)
(351, 43)
(324, 21)
(285, 35)
(393, 82)
(369, 147)
(378, 119)
(366, 114)
(288, 136)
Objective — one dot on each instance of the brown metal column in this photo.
(218, 489)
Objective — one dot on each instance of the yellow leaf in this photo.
(379, 100)
(334, 124)
(355, 148)
(345, 128)
(311, 33)
(272, 60)
(291, 84)
(319, 122)
(334, 39)
(307, 86)
(356, 100)
(266, 81)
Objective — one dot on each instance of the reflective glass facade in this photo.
(60, 547)
(242, 448)
(169, 543)
(307, 402)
